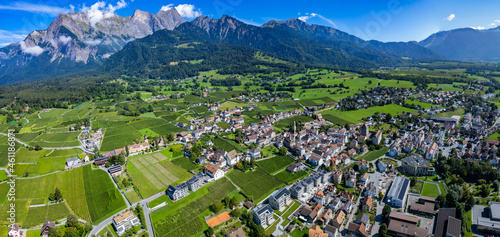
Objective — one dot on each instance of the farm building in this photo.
(101, 161)
(14, 231)
(398, 192)
(115, 170)
(44, 232)
(125, 221)
(73, 162)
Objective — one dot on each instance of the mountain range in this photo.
(76, 42)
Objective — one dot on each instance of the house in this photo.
(177, 192)
(295, 167)
(254, 153)
(416, 165)
(325, 217)
(381, 166)
(125, 221)
(350, 182)
(331, 230)
(337, 176)
(115, 170)
(363, 179)
(446, 224)
(363, 165)
(14, 231)
(213, 171)
(44, 232)
(232, 158)
(263, 215)
(316, 231)
(339, 219)
(367, 204)
(362, 218)
(196, 182)
(297, 190)
(73, 162)
(377, 138)
(279, 199)
(404, 226)
(357, 229)
(432, 152)
(238, 232)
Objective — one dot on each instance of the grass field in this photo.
(38, 215)
(289, 177)
(183, 217)
(372, 155)
(257, 184)
(356, 116)
(121, 133)
(274, 164)
(90, 194)
(61, 139)
(282, 124)
(153, 173)
(227, 145)
(430, 190)
(185, 163)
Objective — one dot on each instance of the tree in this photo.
(496, 185)
(485, 190)
(71, 220)
(386, 212)
(441, 199)
(52, 197)
(126, 151)
(53, 232)
(283, 151)
(233, 202)
(216, 207)
(209, 231)
(236, 213)
(413, 181)
(58, 195)
(88, 227)
(382, 231)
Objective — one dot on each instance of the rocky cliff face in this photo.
(74, 37)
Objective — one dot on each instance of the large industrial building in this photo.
(399, 190)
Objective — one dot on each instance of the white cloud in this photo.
(309, 16)
(35, 8)
(100, 11)
(92, 42)
(9, 37)
(450, 17)
(35, 50)
(185, 10)
(64, 39)
(479, 28)
(494, 23)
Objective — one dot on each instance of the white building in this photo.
(280, 199)
(125, 221)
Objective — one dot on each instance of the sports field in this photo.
(153, 173)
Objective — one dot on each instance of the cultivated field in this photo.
(274, 164)
(256, 183)
(153, 173)
(182, 218)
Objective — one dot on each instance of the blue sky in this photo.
(384, 20)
